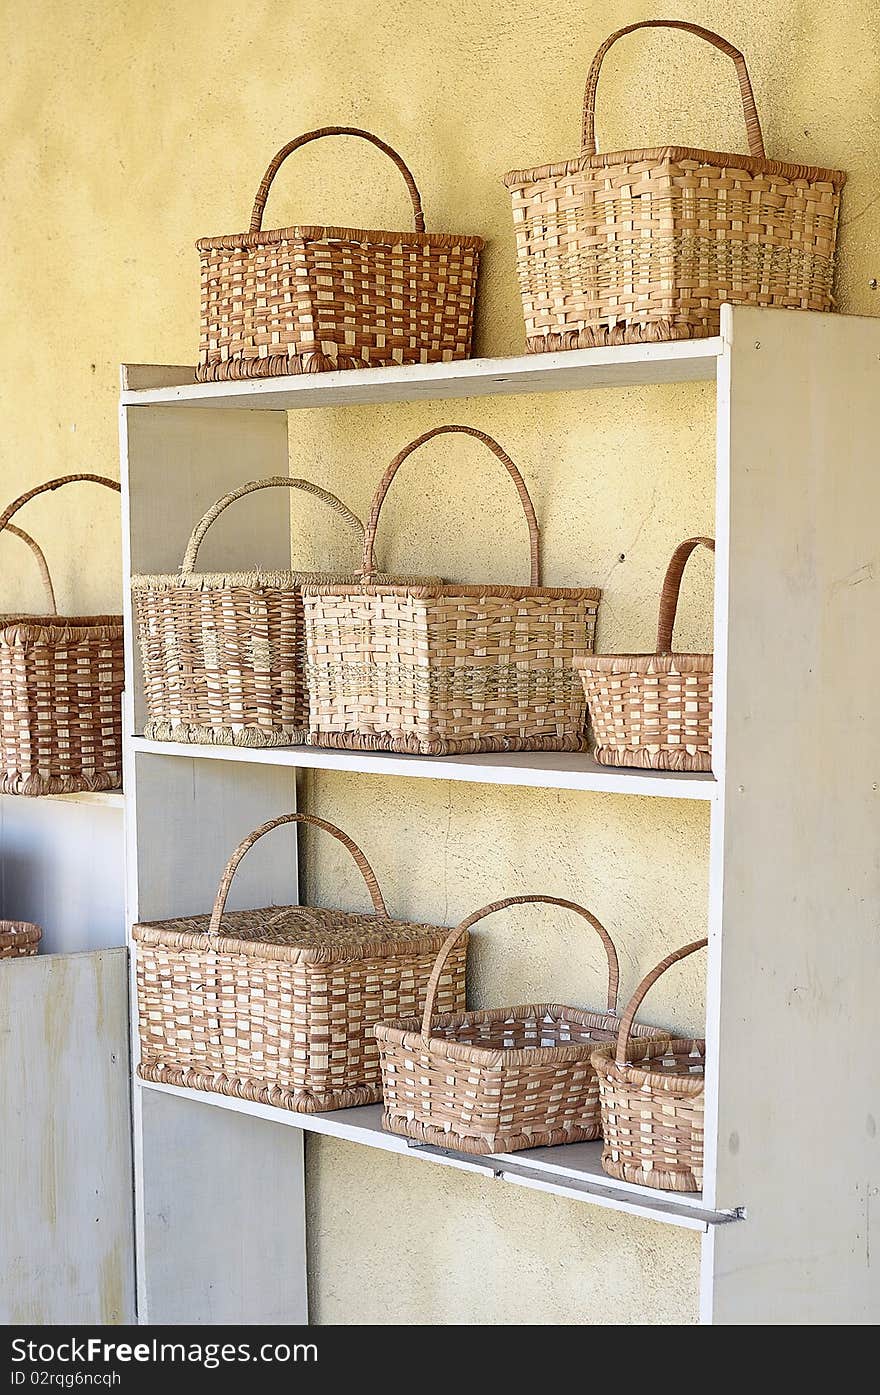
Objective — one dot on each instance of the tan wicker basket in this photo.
(653, 710)
(305, 298)
(61, 681)
(223, 652)
(643, 245)
(19, 939)
(651, 1095)
(447, 668)
(278, 1005)
(497, 1081)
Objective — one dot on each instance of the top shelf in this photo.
(625, 365)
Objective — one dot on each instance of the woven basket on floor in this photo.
(651, 1094)
(508, 1078)
(446, 668)
(305, 298)
(223, 652)
(18, 939)
(278, 1005)
(653, 710)
(643, 245)
(61, 681)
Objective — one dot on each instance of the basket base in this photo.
(640, 758)
(497, 1143)
(259, 1092)
(644, 1175)
(12, 782)
(192, 733)
(606, 336)
(421, 746)
(234, 370)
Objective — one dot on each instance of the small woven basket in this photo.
(278, 1005)
(651, 1095)
(644, 245)
(18, 939)
(306, 298)
(445, 668)
(223, 652)
(653, 710)
(61, 681)
(501, 1080)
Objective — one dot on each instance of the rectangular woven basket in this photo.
(501, 1080)
(61, 682)
(278, 1005)
(306, 298)
(19, 939)
(223, 653)
(444, 668)
(653, 711)
(644, 245)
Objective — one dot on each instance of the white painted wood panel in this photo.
(798, 1070)
(66, 1237)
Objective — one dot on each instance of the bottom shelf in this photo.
(574, 1171)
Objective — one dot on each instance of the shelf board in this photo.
(624, 365)
(573, 1171)
(560, 770)
(107, 799)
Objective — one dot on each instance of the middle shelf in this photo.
(564, 770)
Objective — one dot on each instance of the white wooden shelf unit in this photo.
(794, 880)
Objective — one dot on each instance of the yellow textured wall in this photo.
(128, 131)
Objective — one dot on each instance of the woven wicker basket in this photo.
(653, 710)
(645, 245)
(302, 299)
(278, 1005)
(447, 668)
(497, 1081)
(223, 652)
(61, 681)
(19, 939)
(651, 1095)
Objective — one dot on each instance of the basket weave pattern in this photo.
(278, 1006)
(304, 299)
(652, 1101)
(61, 682)
(19, 939)
(653, 711)
(498, 1080)
(644, 245)
(447, 668)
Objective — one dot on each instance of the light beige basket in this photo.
(508, 1078)
(61, 681)
(444, 668)
(653, 711)
(651, 1095)
(19, 938)
(306, 298)
(278, 1005)
(643, 245)
(223, 652)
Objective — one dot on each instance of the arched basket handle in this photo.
(750, 111)
(42, 564)
(672, 589)
(369, 566)
(278, 161)
(455, 935)
(647, 982)
(247, 843)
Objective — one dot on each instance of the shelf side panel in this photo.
(798, 1070)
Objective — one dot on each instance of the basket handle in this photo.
(247, 843)
(525, 500)
(750, 111)
(672, 589)
(647, 982)
(50, 485)
(278, 161)
(271, 482)
(455, 935)
(40, 559)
